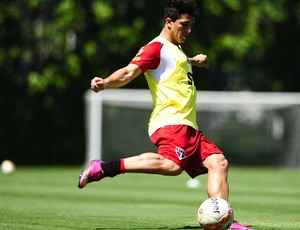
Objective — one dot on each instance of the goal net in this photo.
(253, 129)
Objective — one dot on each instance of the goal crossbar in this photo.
(141, 98)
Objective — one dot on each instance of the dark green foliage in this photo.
(51, 49)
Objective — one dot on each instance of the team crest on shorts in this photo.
(180, 153)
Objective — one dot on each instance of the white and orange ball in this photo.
(215, 214)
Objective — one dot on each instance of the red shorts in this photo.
(185, 146)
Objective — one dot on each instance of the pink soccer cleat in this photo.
(236, 226)
(92, 173)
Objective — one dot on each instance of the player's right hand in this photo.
(97, 84)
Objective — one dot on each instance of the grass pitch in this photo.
(48, 198)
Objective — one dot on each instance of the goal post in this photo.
(94, 109)
(252, 128)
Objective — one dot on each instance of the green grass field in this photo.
(48, 198)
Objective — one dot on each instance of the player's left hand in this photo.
(200, 60)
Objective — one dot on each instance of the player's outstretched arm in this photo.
(117, 79)
(200, 60)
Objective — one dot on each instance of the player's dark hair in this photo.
(176, 8)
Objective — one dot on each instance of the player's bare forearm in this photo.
(117, 79)
(200, 60)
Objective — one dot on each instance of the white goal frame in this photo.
(206, 100)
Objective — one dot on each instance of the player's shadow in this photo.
(166, 228)
(185, 227)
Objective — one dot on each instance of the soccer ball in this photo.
(215, 214)
(7, 167)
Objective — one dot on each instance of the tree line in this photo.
(49, 51)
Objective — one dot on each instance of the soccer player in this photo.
(172, 126)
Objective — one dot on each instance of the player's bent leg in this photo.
(217, 185)
(152, 163)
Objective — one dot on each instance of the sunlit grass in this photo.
(48, 198)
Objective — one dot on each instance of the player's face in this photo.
(181, 28)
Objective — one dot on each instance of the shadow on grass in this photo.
(167, 228)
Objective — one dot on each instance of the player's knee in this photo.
(216, 162)
(172, 168)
